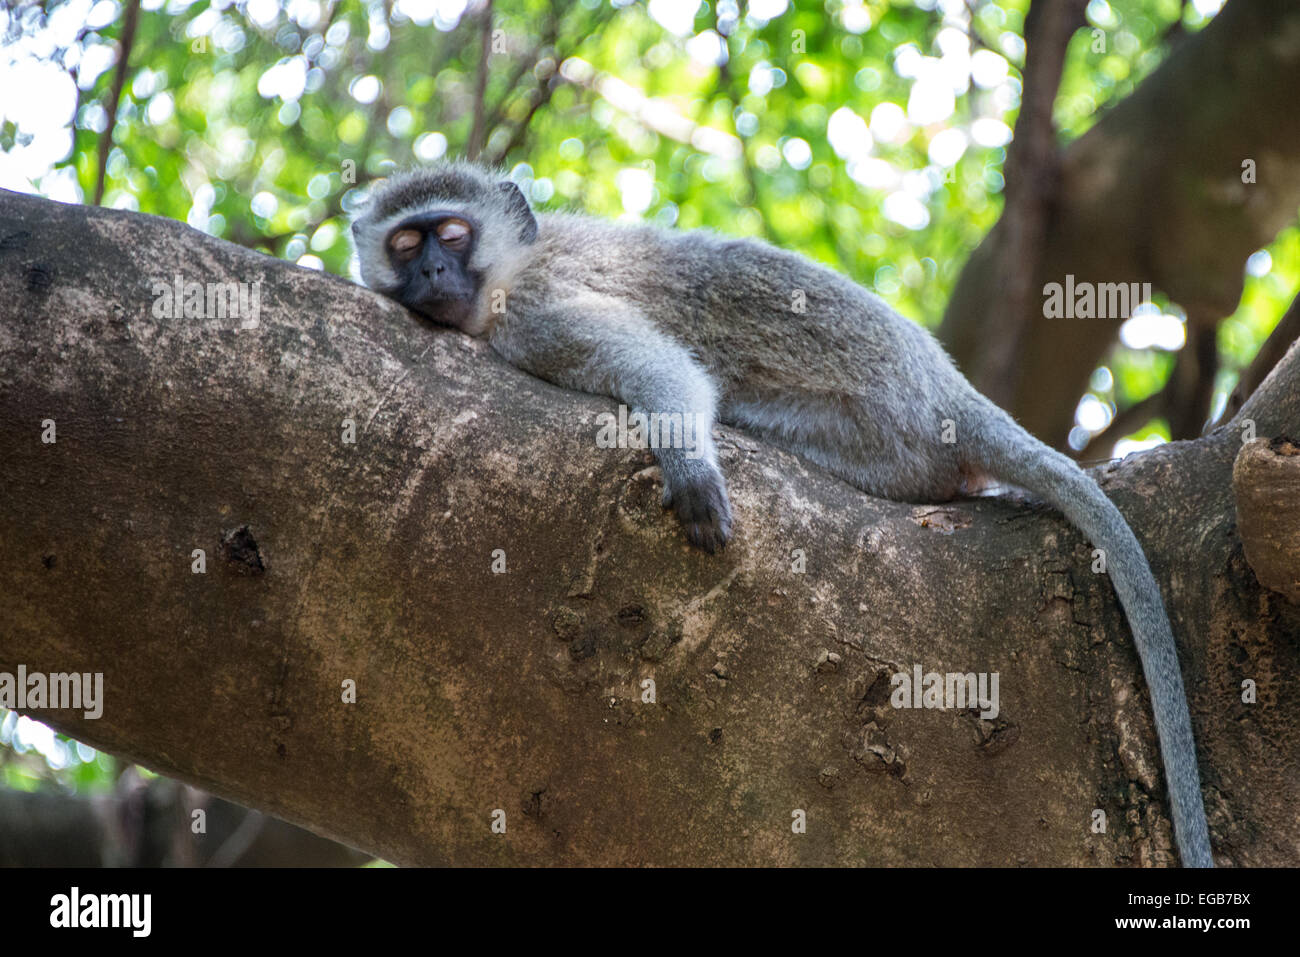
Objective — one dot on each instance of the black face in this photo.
(431, 252)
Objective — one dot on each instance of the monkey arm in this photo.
(601, 345)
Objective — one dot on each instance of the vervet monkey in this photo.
(709, 327)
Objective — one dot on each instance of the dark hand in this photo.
(700, 501)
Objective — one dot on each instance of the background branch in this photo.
(130, 20)
(1032, 181)
(1286, 332)
(477, 130)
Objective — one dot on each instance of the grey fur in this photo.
(694, 322)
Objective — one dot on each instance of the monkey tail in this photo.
(1012, 454)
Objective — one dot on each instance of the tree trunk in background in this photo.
(149, 824)
(525, 692)
(1153, 193)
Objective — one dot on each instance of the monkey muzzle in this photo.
(441, 287)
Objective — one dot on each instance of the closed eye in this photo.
(405, 242)
(453, 232)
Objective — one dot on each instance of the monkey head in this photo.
(438, 239)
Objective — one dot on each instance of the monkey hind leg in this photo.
(848, 437)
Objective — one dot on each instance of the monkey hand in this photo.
(700, 500)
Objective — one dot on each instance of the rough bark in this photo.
(1265, 483)
(523, 691)
(1154, 193)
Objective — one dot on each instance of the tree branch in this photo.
(1032, 178)
(526, 64)
(1286, 332)
(547, 84)
(1191, 382)
(477, 130)
(125, 44)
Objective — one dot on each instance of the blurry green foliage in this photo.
(34, 757)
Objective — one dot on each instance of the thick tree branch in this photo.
(524, 689)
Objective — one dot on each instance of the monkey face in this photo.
(430, 254)
(433, 238)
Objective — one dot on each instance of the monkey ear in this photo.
(519, 211)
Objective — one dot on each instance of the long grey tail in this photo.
(1012, 454)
